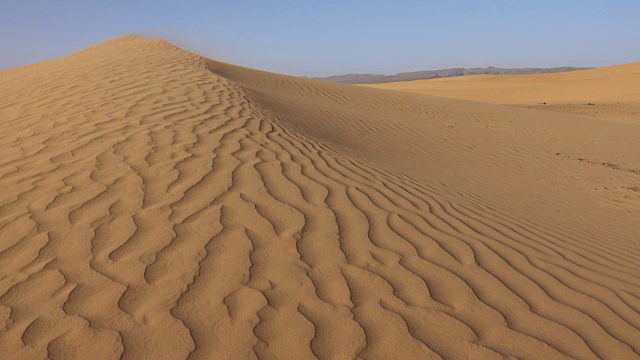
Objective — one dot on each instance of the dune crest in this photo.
(161, 205)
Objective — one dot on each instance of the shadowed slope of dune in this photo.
(611, 92)
(161, 205)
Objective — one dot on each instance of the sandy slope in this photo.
(610, 92)
(159, 205)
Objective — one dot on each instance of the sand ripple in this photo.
(158, 205)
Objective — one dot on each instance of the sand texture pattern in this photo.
(159, 205)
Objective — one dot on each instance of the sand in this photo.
(159, 205)
(611, 92)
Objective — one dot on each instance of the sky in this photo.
(321, 38)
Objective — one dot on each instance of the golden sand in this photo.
(610, 92)
(159, 205)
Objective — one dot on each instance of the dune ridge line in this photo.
(161, 205)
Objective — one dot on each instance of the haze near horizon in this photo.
(334, 38)
(162, 204)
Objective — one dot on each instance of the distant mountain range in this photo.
(432, 74)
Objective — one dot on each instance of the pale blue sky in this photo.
(317, 38)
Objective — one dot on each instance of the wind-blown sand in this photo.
(609, 92)
(159, 205)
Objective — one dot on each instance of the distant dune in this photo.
(159, 205)
(611, 92)
(434, 74)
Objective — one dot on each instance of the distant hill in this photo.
(432, 74)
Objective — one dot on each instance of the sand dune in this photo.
(160, 205)
(609, 92)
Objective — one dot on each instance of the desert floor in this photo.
(159, 205)
(610, 92)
